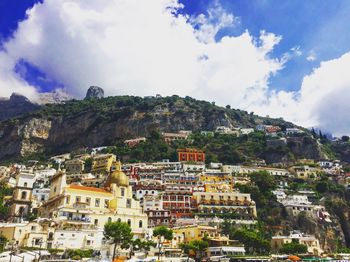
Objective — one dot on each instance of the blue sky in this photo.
(318, 27)
(139, 48)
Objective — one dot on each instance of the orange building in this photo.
(191, 155)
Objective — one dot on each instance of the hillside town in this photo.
(184, 209)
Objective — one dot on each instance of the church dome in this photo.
(119, 178)
(113, 204)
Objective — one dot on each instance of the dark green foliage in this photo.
(293, 248)
(196, 246)
(4, 191)
(163, 233)
(119, 233)
(79, 253)
(253, 241)
(3, 241)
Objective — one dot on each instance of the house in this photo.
(135, 141)
(170, 137)
(312, 243)
(246, 131)
(74, 166)
(101, 164)
(191, 155)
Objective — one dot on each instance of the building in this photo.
(196, 232)
(305, 172)
(101, 164)
(134, 142)
(22, 196)
(293, 131)
(312, 243)
(26, 234)
(75, 205)
(246, 131)
(74, 166)
(191, 155)
(170, 137)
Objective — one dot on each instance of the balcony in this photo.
(78, 219)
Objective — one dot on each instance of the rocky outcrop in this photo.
(94, 92)
(16, 106)
(76, 124)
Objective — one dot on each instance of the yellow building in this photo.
(102, 164)
(222, 199)
(210, 180)
(196, 232)
(306, 172)
(75, 205)
(27, 234)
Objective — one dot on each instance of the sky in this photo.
(285, 59)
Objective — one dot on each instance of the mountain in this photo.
(56, 97)
(15, 106)
(58, 128)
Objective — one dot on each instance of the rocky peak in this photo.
(94, 92)
(15, 106)
(18, 98)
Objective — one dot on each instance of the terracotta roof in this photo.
(95, 189)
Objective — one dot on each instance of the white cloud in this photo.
(147, 47)
(143, 48)
(322, 101)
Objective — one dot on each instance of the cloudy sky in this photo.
(287, 59)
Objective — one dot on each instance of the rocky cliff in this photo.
(95, 122)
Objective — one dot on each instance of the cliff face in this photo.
(95, 122)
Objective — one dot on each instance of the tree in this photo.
(253, 241)
(293, 248)
(199, 246)
(3, 241)
(119, 233)
(322, 187)
(139, 244)
(163, 233)
(196, 246)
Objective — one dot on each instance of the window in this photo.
(128, 203)
(109, 220)
(25, 184)
(78, 199)
(129, 222)
(54, 189)
(122, 192)
(88, 201)
(106, 203)
(67, 199)
(33, 228)
(140, 224)
(24, 195)
(96, 222)
(97, 202)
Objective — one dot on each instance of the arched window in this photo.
(24, 195)
(129, 222)
(25, 184)
(119, 220)
(140, 224)
(109, 220)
